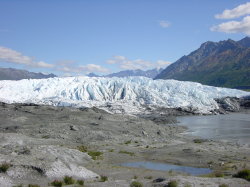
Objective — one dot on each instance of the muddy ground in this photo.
(44, 143)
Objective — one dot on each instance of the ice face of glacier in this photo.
(129, 95)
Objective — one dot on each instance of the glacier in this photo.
(117, 95)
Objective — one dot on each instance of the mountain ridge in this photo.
(225, 63)
(19, 74)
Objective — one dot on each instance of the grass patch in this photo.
(136, 184)
(223, 185)
(80, 182)
(128, 142)
(218, 174)
(127, 152)
(198, 141)
(187, 185)
(172, 184)
(33, 185)
(4, 167)
(82, 148)
(135, 177)
(95, 154)
(56, 183)
(244, 174)
(103, 178)
(148, 177)
(46, 137)
(68, 180)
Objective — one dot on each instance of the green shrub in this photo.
(244, 174)
(135, 177)
(136, 184)
(68, 180)
(95, 154)
(57, 183)
(223, 185)
(103, 178)
(127, 152)
(198, 141)
(148, 177)
(128, 142)
(33, 185)
(187, 185)
(80, 182)
(82, 148)
(172, 184)
(219, 175)
(4, 167)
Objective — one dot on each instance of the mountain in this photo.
(93, 75)
(225, 63)
(127, 73)
(17, 74)
(128, 95)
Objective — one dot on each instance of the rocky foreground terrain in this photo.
(42, 143)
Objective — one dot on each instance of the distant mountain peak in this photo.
(92, 75)
(245, 42)
(152, 73)
(18, 74)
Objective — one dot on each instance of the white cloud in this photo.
(83, 69)
(127, 64)
(233, 26)
(67, 66)
(93, 68)
(242, 26)
(164, 23)
(238, 11)
(162, 63)
(11, 56)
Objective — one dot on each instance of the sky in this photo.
(76, 37)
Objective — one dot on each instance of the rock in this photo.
(159, 180)
(230, 104)
(73, 128)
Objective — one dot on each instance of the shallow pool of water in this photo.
(232, 127)
(168, 167)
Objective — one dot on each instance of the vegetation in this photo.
(68, 180)
(136, 184)
(218, 174)
(148, 177)
(57, 183)
(127, 152)
(82, 148)
(80, 182)
(4, 167)
(33, 185)
(95, 154)
(198, 140)
(103, 178)
(128, 142)
(244, 174)
(172, 184)
(135, 177)
(223, 185)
